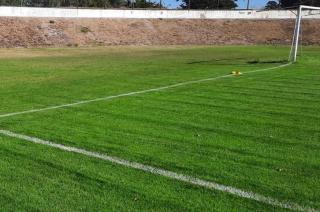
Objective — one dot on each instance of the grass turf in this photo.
(258, 132)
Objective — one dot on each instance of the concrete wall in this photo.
(147, 14)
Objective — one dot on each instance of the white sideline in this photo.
(134, 93)
(165, 173)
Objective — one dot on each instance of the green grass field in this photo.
(258, 132)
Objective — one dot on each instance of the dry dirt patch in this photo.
(45, 32)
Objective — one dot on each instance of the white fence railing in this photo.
(148, 14)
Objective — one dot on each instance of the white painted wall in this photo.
(165, 14)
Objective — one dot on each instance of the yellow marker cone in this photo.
(236, 73)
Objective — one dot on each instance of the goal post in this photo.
(297, 31)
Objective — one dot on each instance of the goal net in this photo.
(303, 11)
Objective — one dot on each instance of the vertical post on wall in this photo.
(248, 4)
(297, 33)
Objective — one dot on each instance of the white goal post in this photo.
(297, 31)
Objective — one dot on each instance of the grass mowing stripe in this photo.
(166, 173)
(135, 92)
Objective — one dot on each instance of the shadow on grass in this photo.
(236, 61)
(218, 61)
(266, 61)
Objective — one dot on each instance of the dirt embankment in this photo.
(38, 32)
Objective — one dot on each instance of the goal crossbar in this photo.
(309, 7)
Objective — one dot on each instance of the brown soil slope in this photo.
(36, 32)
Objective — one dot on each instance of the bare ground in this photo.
(43, 32)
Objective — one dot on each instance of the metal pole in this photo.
(297, 33)
(248, 4)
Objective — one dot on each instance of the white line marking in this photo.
(134, 93)
(165, 173)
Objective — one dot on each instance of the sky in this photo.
(255, 4)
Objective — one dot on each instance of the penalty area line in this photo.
(134, 93)
(162, 172)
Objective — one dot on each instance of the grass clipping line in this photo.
(135, 92)
(162, 172)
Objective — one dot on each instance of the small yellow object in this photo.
(236, 73)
